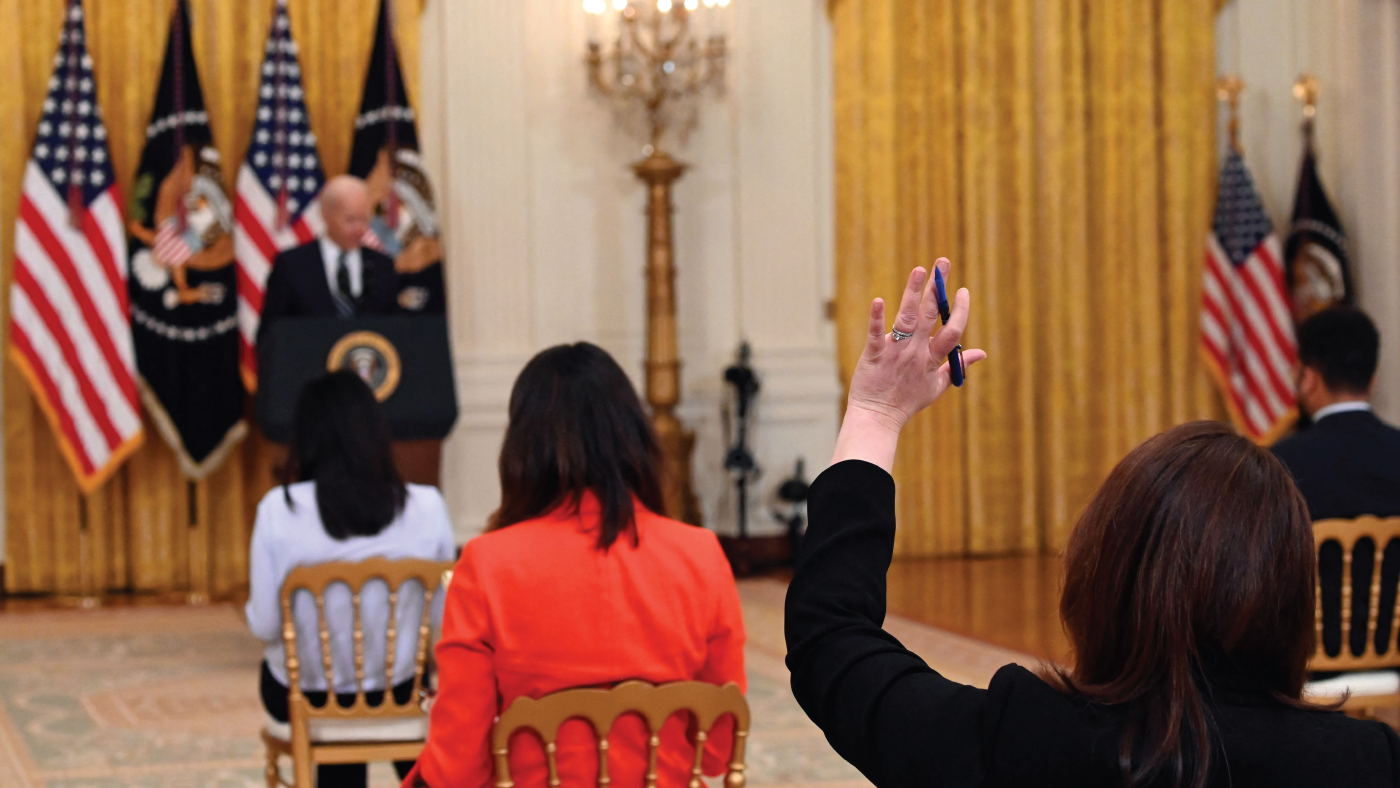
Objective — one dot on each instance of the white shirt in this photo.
(330, 258)
(1339, 407)
(284, 538)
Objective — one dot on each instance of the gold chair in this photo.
(358, 733)
(600, 707)
(1372, 682)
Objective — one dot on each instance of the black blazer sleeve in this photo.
(277, 296)
(881, 707)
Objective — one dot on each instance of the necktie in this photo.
(344, 300)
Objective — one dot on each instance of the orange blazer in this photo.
(535, 608)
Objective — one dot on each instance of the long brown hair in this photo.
(1196, 555)
(576, 425)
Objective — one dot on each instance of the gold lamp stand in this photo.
(655, 63)
(663, 364)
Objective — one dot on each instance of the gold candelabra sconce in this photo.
(653, 59)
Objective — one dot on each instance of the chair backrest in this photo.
(600, 707)
(1348, 533)
(432, 575)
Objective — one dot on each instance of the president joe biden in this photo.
(334, 275)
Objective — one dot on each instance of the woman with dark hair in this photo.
(579, 582)
(342, 500)
(1188, 600)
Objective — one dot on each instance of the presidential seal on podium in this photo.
(371, 356)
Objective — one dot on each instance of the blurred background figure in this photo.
(1347, 463)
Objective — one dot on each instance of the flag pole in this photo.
(89, 594)
(1228, 90)
(75, 192)
(279, 135)
(178, 42)
(391, 206)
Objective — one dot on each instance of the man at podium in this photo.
(333, 303)
(334, 275)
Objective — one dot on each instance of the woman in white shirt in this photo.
(348, 504)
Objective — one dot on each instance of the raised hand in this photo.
(901, 372)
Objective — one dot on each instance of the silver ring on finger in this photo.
(898, 335)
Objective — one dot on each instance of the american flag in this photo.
(275, 205)
(171, 246)
(1246, 327)
(69, 329)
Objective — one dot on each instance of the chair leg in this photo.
(302, 767)
(274, 779)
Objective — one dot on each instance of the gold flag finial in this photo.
(1228, 90)
(1305, 90)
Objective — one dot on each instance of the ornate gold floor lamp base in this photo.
(663, 367)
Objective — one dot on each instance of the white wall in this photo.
(545, 231)
(1353, 47)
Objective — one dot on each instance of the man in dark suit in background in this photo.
(1348, 462)
(333, 275)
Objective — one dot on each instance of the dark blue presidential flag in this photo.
(385, 154)
(1319, 275)
(183, 289)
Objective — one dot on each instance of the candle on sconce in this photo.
(707, 18)
(593, 10)
(609, 14)
(621, 11)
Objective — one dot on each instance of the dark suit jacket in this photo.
(297, 286)
(1348, 465)
(906, 726)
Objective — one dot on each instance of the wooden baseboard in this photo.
(752, 555)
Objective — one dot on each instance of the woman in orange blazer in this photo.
(579, 583)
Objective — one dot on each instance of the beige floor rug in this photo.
(167, 698)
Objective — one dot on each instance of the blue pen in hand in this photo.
(955, 359)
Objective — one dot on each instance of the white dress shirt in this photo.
(330, 257)
(284, 538)
(1339, 407)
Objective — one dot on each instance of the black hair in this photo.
(1342, 344)
(576, 425)
(341, 441)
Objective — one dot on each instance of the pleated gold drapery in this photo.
(1061, 153)
(149, 529)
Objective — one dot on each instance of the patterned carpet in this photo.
(167, 698)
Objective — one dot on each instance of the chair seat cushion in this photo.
(330, 731)
(1362, 683)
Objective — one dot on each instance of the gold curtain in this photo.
(1061, 153)
(149, 529)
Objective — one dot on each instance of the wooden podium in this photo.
(405, 360)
